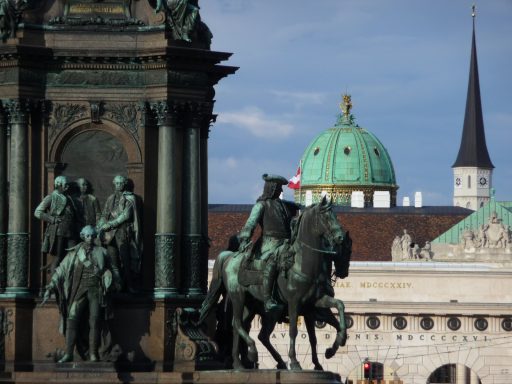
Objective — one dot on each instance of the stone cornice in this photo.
(392, 308)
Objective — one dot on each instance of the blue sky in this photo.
(405, 63)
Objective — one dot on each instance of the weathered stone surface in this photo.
(207, 377)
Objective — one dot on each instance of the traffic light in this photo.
(367, 368)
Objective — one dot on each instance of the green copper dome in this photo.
(346, 158)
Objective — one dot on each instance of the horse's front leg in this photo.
(341, 336)
(309, 319)
(293, 314)
(268, 325)
(239, 331)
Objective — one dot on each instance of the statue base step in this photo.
(82, 374)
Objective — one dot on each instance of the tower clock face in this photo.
(483, 181)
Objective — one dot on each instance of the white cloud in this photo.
(254, 121)
(299, 99)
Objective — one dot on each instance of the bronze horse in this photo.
(318, 241)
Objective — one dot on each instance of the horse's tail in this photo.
(216, 288)
(342, 260)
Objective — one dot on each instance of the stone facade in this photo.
(414, 318)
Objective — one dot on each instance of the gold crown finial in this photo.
(346, 104)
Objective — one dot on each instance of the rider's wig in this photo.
(88, 230)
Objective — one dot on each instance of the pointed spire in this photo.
(473, 148)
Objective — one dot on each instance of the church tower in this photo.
(472, 170)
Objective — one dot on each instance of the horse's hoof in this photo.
(318, 367)
(281, 365)
(329, 353)
(237, 366)
(295, 366)
(252, 354)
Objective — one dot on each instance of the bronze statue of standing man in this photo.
(82, 283)
(89, 205)
(274, 217)
(121, 225)
(59, 211)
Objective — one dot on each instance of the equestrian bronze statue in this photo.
(302, 286)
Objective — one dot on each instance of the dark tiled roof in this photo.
(428, 210)
(372, 229)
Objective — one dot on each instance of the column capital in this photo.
(55, 167)
(167, 112)
(18, 110)
(200, 113)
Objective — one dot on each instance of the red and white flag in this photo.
(294, 182)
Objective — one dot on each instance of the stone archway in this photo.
(97, 152)
(97, 156)
(453, 373)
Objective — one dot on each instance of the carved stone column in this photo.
(167, 221)
(17, 236)
(205, 131)
(3, 198)
(193, 240)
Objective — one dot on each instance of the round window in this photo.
(481, 324)
(349, 321)
(347, 150)
(506, 324)
(427, 323)
(320, 324)
(373, 322)
(400, 322)
(454, 323)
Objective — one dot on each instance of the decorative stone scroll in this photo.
(193, 350)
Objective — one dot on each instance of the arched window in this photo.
(469, 181)
(449, 373)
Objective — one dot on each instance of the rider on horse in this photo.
(274, 216)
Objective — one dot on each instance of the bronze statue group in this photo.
(284, 274)
(84, 274)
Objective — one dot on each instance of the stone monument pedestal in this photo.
(86, 373)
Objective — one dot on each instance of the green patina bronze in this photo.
(184, 19)
(83, 283)
(303, 281)
(346, 158)
(120, 229)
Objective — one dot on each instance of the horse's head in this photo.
(320, 221)
(327, 224)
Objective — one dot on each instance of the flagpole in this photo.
(300, 181)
